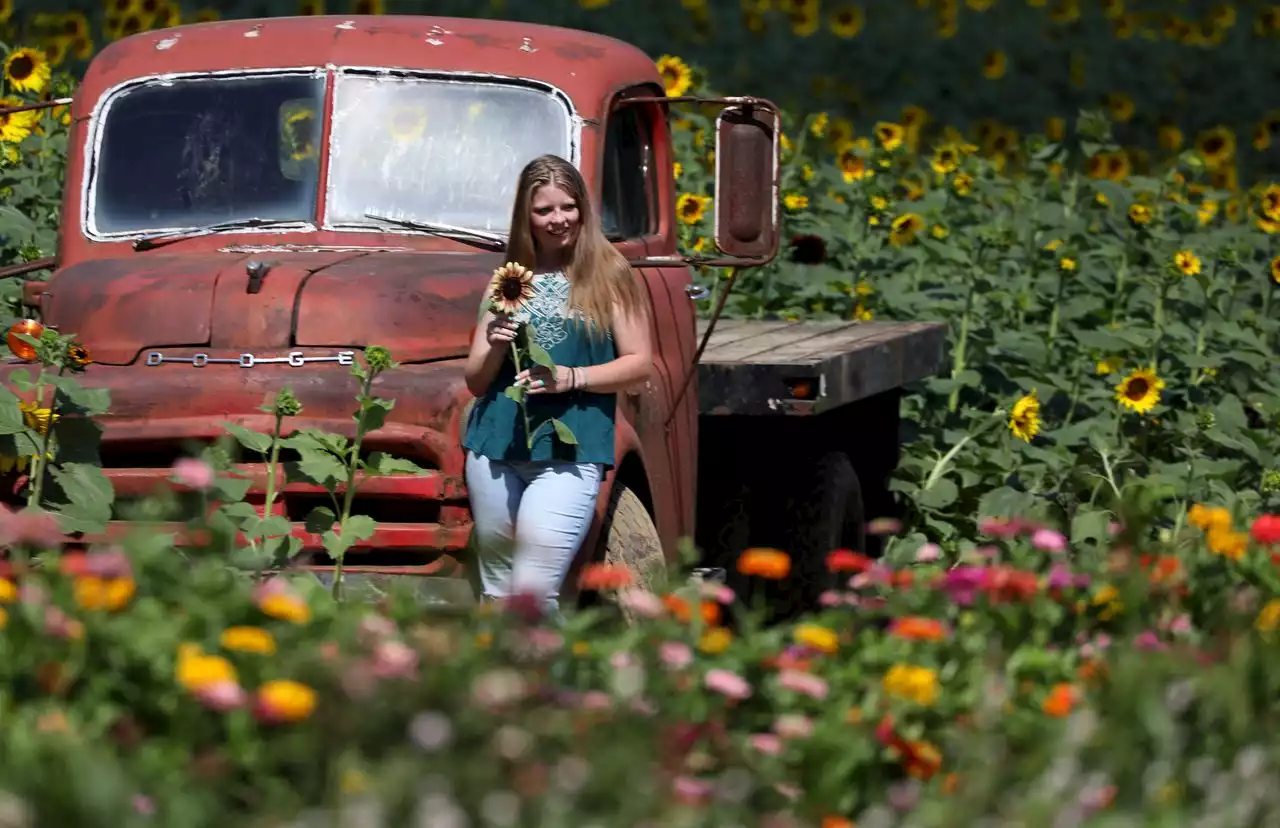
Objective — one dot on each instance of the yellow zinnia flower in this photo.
(286, 607)
(917, 684)
(1139, 391)
(1269, 618)
(110, 594)
(1024, 419)
(817, 637)
(286, 701)
(248, 640)
(196, 670)
(715, 640)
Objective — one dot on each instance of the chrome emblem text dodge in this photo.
(295, 358)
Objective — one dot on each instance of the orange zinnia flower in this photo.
(765, 563)
(1060, 701)
(844, 560)
(599, 577)
(915, 628)
(678, 607)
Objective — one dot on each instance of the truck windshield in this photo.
(436, 151)
(191, 152)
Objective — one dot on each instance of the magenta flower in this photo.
(1049, 540)
(109, 563)
(1004, 528)
(727, 684)
(193, 474)
(1148, 640)
(962, 583)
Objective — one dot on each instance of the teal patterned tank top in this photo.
(496, 428)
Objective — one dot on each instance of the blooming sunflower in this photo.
(691, 207)
(1275, 270)
(511, 288)
(16, 126)
(890, 135)
(1270, 202)
(27, 70)
(1187, 262)
(945, 160)
(795, 201)
(962, 184)
(1139, 391)
(853, 167)
(1120, 106)
(1140, 214)
(1024, 419)
(1216, 145)
(1169, 137)
(6, 10)
(676, 77)
(994, 64)
(846, 21)
(77, 356)
(36, 418)
(904, 228)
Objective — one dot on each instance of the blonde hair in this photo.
(599, 276)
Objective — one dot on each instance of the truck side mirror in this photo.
(746, 194)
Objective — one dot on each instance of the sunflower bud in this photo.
(1205, 420)
(1271, 481)
(378, 358)
(286, 404)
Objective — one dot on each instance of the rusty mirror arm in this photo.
(49, 104)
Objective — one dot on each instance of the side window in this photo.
(625, 208)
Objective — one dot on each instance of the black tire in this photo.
(629, 538)
(825, 512)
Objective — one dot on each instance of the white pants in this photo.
(530, 520)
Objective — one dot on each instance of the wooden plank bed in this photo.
(803, 368)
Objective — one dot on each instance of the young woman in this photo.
(532, 508)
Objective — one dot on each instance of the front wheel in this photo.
(630, 539)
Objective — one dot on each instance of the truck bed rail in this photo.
(801, 368)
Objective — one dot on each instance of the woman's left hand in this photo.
(542, 381)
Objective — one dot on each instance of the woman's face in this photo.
(554, 219)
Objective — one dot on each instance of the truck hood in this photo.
(420, 305)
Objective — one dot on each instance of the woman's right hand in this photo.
(501, 331)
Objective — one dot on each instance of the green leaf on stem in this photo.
(88, 497)
(252, 440)
(564, 433)
(516, 392)
(540, 356)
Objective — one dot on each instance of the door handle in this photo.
(696, 292)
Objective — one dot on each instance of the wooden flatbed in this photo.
(805, 368)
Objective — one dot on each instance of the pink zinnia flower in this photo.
(193, 474)
(805, 683)
(928, 553)
(222, 696)
(394, 659)
(1148, 640)
(793, 726)
(767, 743)
(718, 592)
(688, 788)
(1005, 528)
(109, 563)
(30, 527)
(641, 602)
(728, 684)
(1049, 540)
(830, 598)
(675, 655)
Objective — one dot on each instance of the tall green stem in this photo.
(1201, 337)
(353, 466)
(1075, 391)
(1158, 317)
(524, 403)
(1118, 299)
(40, 462)
(958, 363)
(1056, 314)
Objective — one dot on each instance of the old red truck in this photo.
(249, 203)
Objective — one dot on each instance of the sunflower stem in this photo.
(1201, 339)
(39, 463)
(1056, 314)
(1118, 299)
(524, 405)
(958, 364)
(1158, 319)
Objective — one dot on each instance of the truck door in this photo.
(637, 209)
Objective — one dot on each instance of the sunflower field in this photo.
(1075, 620)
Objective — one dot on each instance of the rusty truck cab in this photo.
(240, 212)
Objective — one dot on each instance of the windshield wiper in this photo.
(476, 238)
(159, 239)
